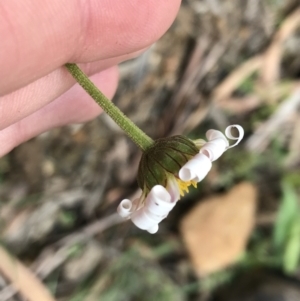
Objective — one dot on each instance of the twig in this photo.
(187, 83)
(22, 278)
(262, 136)
(273, 55)
(8, 292)
(224, 90)
(49, 260)
(190, 82)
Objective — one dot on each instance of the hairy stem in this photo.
(134, 133)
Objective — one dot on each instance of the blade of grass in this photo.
(292, 251)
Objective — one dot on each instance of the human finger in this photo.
(38, 36)
(23, 102)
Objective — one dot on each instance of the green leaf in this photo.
(288, 211)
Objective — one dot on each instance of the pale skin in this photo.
(38, 37)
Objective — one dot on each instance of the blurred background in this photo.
(236, 237)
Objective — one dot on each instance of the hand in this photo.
(38, 37)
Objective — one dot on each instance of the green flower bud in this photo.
(163, 160)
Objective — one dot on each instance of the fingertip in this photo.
(120, 27)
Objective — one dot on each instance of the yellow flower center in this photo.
(184, 186)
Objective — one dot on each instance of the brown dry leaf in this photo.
(216, 231)
(292, 158)
(22, 278)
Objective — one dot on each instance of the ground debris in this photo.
(216, 231)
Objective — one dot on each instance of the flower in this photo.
(166, 171)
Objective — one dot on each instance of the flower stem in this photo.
(134, 133)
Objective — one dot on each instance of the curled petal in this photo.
(124, 209)
(230, 136)
(214, 134)
(214, 149)
(144, 221)
(158, 201)
(157, 206)
(196, 169)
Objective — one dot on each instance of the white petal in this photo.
(214, 149)
(195, 169)
(156, 207)
(158, 202)
(214, 134)
(154, 229)
(143, 220)
(230, 136)
(124, 208)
